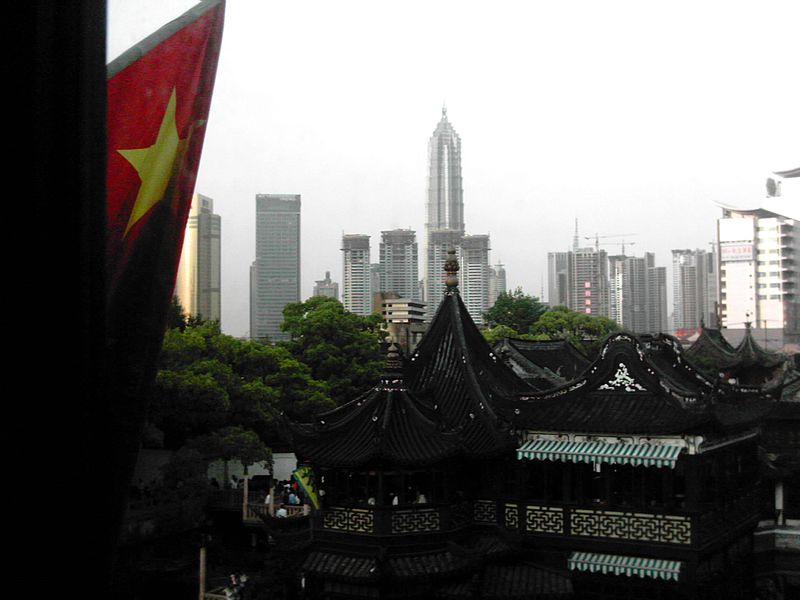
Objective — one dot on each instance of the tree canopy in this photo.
(208, 380)
(516, 310)
(341, 348)
(586, 332)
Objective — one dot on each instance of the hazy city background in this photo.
(633, 119)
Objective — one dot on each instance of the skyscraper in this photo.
(275, 274)
(497, 282)
(445, 192)
(326, 287)
(559, 282)
(356, 274)
(758, 271)
(444, 225)
(694, 289)
(199, 273)
(399, 259)
(589, 280)
(474, 275)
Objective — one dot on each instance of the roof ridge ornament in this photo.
(451, 268)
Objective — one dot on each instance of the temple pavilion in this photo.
(455, 477)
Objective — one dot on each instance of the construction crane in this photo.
(622, 245)
(596, 239)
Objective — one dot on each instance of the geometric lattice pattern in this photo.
(544, 519)
(667, 529)
(415, 521)
(511, 516)
(484, 511)
(355, 520)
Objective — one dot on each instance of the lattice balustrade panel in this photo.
(484, 511)
(415, 521)
(645, 527)
(349, 519)
(511, 516)
(544, 519)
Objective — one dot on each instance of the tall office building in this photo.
(637, 293)
(559, 282)
(474, 275)
(758, 269)
(326, 287)
(497, 283)
(356, 274)
(439, 244)
(589, 292)
(399, 260)
(445, 192)
(444, 224)
(275, 274)
(198, 284)
(694, 289)
(657, 310)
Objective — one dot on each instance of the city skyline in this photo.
(599, 115)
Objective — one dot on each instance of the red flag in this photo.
(159, 95)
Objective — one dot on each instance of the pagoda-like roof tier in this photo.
(639, 388)
(386, 425)
(458, 375)
(558, 357)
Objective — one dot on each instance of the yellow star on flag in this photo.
(155, 164)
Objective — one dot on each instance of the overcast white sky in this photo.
(633, 116)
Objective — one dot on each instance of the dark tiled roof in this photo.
(712, 345)
(352, 568)
(455, 372)
(441, 406)
(386, 424)
(558, 357)
(524, 581)
(636, 388)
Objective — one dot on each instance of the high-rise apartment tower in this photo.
(356, 274)
(275, 274)
(198, 285)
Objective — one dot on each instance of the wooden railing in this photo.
(394, 520)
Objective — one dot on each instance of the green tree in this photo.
(233, 443)
(341, 348)
(516, 310)
(208, 380)
(586, 332)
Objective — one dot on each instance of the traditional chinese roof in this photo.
(751, 355)
(713, 346)
(460, 378)
(386, 425)
(633, 388)
(550, 362)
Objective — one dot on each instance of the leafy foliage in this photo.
(586, 332)
(209, 380)
(516, 310)
(341, 348)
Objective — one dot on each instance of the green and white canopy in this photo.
(648, 455)
(632, 566)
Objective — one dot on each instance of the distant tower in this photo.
(497, 282)
(199, 273)
(475, 275)
(399, 259)
(694, 289)
(275, 274)
(356, 274)
(444, 226)
(445, 192)
(326, 287)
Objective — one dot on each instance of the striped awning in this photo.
(648, 455)
(632, 566)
